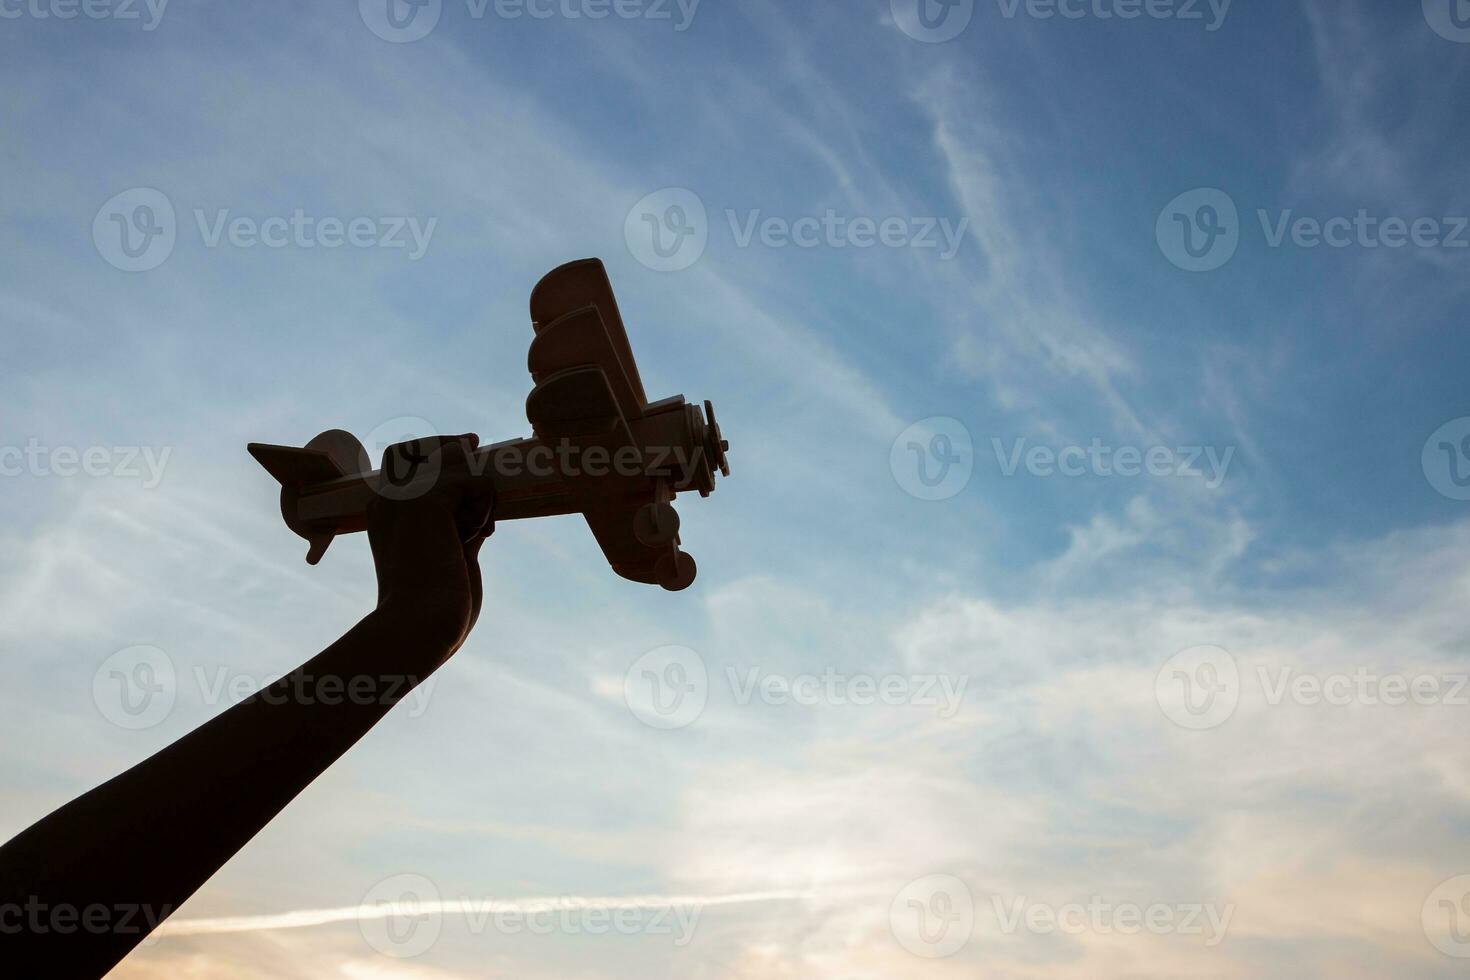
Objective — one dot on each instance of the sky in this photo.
(1086, 600)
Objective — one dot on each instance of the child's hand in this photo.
(426, 544)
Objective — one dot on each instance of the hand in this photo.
(149, 837)
(426, 542)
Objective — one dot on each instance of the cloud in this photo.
(1323, 825)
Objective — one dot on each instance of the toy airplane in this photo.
(600, 447)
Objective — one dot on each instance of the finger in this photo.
(472, 570)
(475, 513)
(475, 499)
(471, 500)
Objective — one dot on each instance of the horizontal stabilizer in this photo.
(293, 467)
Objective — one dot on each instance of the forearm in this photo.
(140, 844)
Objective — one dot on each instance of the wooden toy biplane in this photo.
(600, 448)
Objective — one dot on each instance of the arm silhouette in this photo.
(87, 883)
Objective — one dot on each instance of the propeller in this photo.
(714, 444)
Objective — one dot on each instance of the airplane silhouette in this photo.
(600, 447)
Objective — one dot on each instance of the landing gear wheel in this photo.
(676, 571)
(656, 524)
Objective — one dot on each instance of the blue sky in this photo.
(1059, 153)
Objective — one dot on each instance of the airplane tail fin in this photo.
(330, 455)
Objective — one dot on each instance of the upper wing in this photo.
(580, 339)
(577, 406)
(579, 284)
